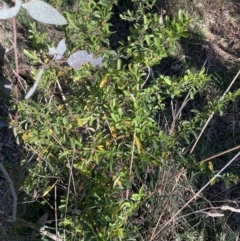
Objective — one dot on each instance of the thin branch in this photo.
(219, 154)
(55, 202)
(16, 90)
(149, 72)
(176, 116)
(131, 162)
(61, 91)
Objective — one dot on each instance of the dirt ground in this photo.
(224, 33)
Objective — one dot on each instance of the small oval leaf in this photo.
(78, 58)
(6, 12)
(167, 80)
(59, 51)
(52, 51)
(61, 48)
(44, 12)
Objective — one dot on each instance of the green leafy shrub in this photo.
(105, 133)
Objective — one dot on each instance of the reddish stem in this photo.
(16, 90)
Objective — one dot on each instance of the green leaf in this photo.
(167, 80)
(70, 20)
(148, 40)
(32, 55)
